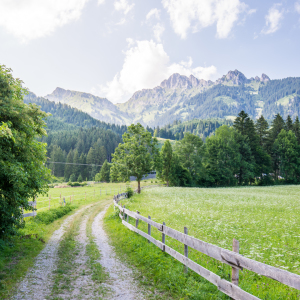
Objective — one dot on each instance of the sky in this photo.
(112, 48)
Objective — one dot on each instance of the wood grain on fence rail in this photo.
(235, 260)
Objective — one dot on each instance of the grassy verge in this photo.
(264, 220)
(98, 273)
(67, 252)
(160, 272)
(19, 255)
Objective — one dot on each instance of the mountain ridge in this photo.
(182, 98)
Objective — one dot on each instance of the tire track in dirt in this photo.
(121, 282)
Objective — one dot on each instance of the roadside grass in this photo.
(265, 220)
(67, 252)
(18, 256)
(99, 275)
(159, 272)
(86, 194)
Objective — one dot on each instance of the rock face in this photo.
(264, 78)
(177, 81)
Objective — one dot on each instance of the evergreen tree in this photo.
(166, 157)
(105, 172)
(90, 159)
(69, 167)
(289, 123)
(79, 179)
(76, 161)
(288, 151)
(262, 127)
(190, 153)
(240, 122)
(296, 129)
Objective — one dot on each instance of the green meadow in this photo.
(265, 220)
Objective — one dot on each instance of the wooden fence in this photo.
(231, 258)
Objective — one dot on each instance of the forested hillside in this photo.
(76, 137)
(80, 146)
(67, 117)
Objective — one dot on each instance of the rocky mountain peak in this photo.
(264, 78)
(236, 77)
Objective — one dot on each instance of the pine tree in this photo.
(240, 122)
(90, 159)
(262, 127)
(69, 167)
(105, 172)
(289, 123)
(166, 155)
(76, 166)
(296, 129)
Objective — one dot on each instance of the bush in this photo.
(129, 191)
(47, 217)
(72, 178)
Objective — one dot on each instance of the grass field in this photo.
(265, 220)
(84, 195)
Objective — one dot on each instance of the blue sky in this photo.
(113, 48)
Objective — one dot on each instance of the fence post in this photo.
(163, 238)
(123, 212)
(137, 220)
(149, 228)
(235, 272)
(186, 250)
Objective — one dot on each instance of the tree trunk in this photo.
(139, 187)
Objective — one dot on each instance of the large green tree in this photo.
(104, 174)
(190, 152)
(137, 156)
(23, 174)
(166, 158)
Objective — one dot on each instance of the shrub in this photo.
(47, 217)
(72, 178)
(79, 179)
(129, 191)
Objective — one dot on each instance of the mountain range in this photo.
(185, 98)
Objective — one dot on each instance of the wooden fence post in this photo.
(235, 272)
(149, 228)
(123, 212)
(186, 250)
(137, 220)
(163, 238)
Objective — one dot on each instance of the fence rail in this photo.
(231, 258)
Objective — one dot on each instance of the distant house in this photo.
(150, 175)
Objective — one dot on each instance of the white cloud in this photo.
(100, 2)
(153, 13)
(158, 30)
(200, 14)
(297, 7)
(123, 5)
(273, 18)
(146, 65)
(33, 19)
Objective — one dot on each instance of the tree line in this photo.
(247, 153)
(77, 148)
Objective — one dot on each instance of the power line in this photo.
(65, 163)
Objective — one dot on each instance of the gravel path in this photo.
(121, 281)
(38, 280)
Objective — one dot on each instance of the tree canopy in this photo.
(22, 170)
